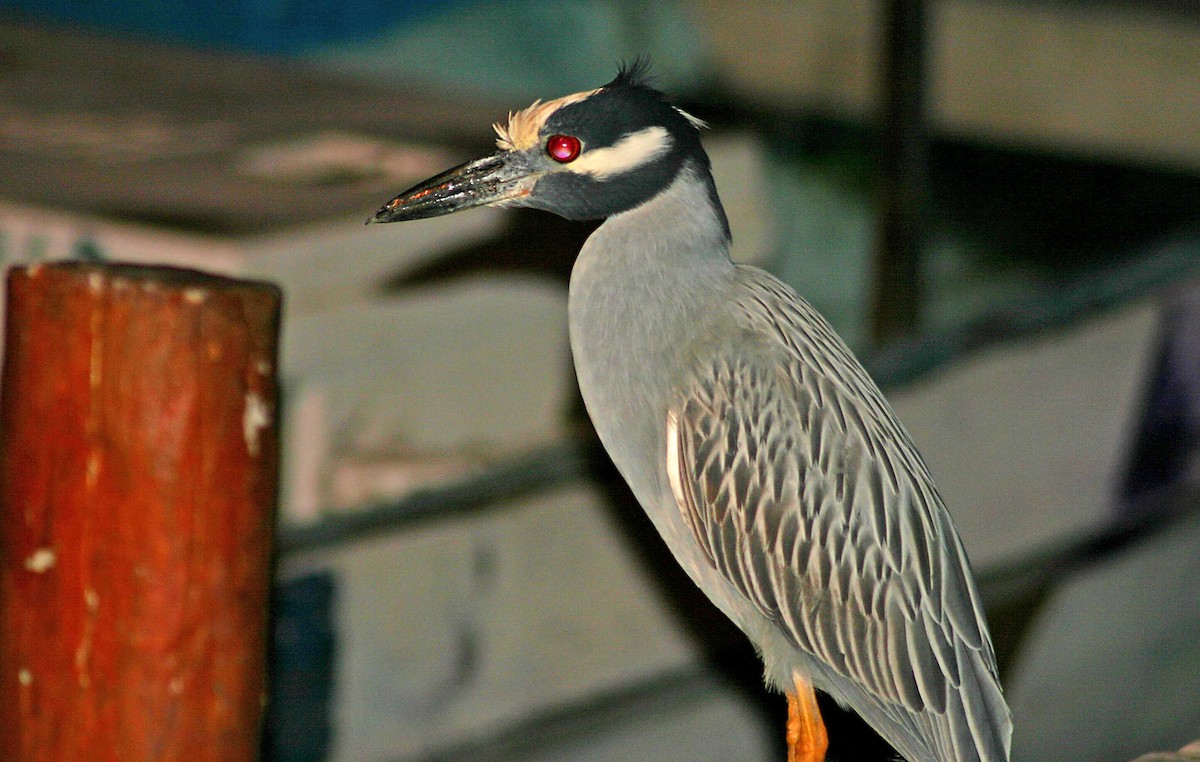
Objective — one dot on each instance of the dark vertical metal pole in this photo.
(896, 290)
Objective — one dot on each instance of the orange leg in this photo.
(806, 736)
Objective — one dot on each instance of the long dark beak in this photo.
(494, 179)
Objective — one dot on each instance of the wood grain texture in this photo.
(138, 476)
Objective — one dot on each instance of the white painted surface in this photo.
(448, 631)
(1025, 441)
(1110, 668)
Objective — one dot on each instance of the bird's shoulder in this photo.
(783, 348)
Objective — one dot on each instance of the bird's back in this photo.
(806, 492)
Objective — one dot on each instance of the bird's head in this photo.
(583, 156)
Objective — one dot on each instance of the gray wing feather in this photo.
(808, 496)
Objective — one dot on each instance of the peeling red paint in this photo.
(135, 525)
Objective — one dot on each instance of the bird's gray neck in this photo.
(683, 226)
(642, 292)
(653, 253)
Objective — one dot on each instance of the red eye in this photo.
(563, 148)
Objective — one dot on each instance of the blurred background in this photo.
(997, 203)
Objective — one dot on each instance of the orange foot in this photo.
(806, 737)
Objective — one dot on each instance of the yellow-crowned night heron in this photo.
(760, 448)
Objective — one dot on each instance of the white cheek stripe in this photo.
(630, 152)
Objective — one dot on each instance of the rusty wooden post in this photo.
(138, 477)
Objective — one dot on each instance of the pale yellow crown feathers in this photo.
(523, 126)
